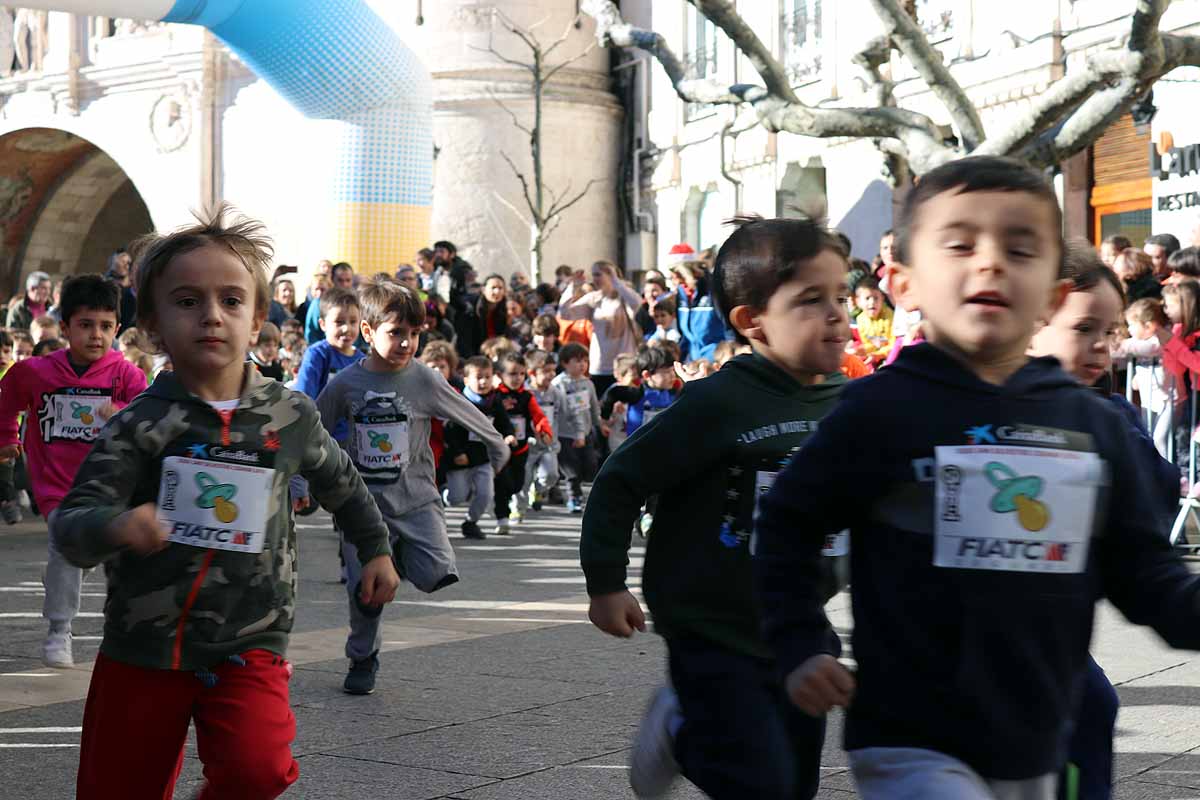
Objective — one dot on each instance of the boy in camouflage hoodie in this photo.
(185, 498)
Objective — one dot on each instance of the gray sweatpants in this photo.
(912, 773)
(424, 558)
(63, 582)
(474, 484)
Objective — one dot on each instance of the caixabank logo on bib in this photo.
(1017, 495)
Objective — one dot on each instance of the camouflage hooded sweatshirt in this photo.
(226, 582)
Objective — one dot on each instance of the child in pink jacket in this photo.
(68, 395)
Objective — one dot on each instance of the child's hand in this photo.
(9, 452)
(510, 440)
(462, 460)
(105, 410)
(689, 372)
(617, 614)
(819, 684)
(547, 439)
(605, 429)
(140, 530)
(579, 443)
(301, 503)
(379, 581)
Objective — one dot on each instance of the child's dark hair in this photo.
(1118, 242)
(572, 351)
(245, 238)
(22, 337)
(972, 174)
(478, 363)
(867, 282)
(763, 254)
(537, 359)
(443, 351)
(6, 339)
(47, 346)
(652, 359)
(667, 304)
(1146, 310)
(338, 298)
(1188, 293)
(545, 325)
(1185, 261)
(387, 301)
(89, 291)
(1084, 269)
(672, 348)
(510, 357)
(269, 334)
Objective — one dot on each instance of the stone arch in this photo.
(94, 210)
(62, 201)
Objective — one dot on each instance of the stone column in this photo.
(478, 202)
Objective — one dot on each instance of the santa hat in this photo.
(681, 254)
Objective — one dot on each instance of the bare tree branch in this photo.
(511, 61)
(591, 181)
(512, 114)
(524, 187)
(874, 55)
(550, 73)
(724, 15)
(910, 40)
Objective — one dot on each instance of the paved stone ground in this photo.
(495, 688)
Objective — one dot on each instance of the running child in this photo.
(529, 425)
(780, 285)
(541, 469)
(388, 401)
(983, 545)
(67, 398)
(577, 457)
(471, 455)
(646, 400)
(184, 498)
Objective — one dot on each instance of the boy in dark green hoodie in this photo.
(725, 722)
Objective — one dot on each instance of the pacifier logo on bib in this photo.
(217, 496)
(380, 441)
(1015, 493)
(82, 412)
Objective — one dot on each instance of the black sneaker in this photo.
(536, 505)
(471, 530)
(361, 677)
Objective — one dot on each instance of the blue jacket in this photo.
(320, 362)
(701, 328)
(976, 565)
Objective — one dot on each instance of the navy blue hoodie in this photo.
(975, 567)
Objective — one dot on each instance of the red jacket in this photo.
(1180, 355)
(526, 415)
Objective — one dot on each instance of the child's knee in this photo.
(252, 775)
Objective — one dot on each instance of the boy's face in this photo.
(1080, 333)
(23, 350)
(543, 377)
(478, 380)
(664, 320)
(204, 311)
(983, 271)
(576, 367)
(663, 378)
(268, 351)
(804, 327)
(90, 333)
(870, 301)
(341, 328)
(513, 376)
(441, 365)
(393, 343)
(545, 341)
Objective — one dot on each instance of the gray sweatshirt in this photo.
(554, 405)
(582, 410)
(388, 414)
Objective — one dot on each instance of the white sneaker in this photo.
(652, 765)
(503, 526)
(56, 651)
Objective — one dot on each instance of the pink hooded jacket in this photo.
(63, 421)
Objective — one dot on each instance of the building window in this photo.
(800, 39)
(700, 58)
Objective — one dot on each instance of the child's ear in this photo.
(745, 321)
(321, 323)
(365, 330)
(903, 287)
(1058, 296)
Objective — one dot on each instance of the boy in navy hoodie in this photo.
(651, 397)
(999, 512)
(724, 722)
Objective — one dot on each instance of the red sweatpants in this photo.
(136, 720)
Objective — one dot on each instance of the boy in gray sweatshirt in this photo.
(541, 470)
(577, 457)
(387, 400)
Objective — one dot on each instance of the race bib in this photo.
(71, 414)
(382, 440)
(836, 544)
(213, 504)
(1017, 509)
(518, 424)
